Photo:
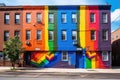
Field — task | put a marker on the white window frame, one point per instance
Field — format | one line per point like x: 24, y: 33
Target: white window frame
x: 104, y: 17
x: 64, y: 32
x: 6, y: 17
x: 17, y: 17
x: 94, y: 35
x: 38, y: 34
x: 105, y: 34
x: 105, y: 56
x: 39, y: 17
x: 6, y: 35
x: 74, y: 17
x: 74, y: 34
x: 63, y: 17
x: 92, y: 17
x: 51, y: 17
x: 64, y: 56
x: 51, y: 33
x: 28, y: 17
x: 29, y: 34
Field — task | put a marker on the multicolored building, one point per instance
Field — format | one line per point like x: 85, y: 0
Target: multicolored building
x: 76, y: 36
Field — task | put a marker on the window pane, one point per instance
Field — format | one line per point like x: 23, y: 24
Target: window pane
x: 92, y: 17
x: 64, y: 56
x: 64, y: 35
x: 64, y: 18
x: 17, y: 33
x: 17, y: 18
x: 105, y: 56
x: 74, y: 35
x: 28, y: 35
x: 104, y: 18
x: 6, y: 18
x: 6, y: 35
x: 74, y: 17
x: 51, y: 18
x: 38, y: 34
x: 28, y: 17
x: 39, y: 17
x: 93, y: 35
x: 105, y: 34
x: 51, y: 35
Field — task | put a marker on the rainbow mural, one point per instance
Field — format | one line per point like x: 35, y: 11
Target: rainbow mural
x: 87, y: 53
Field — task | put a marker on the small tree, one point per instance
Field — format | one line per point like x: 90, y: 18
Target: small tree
x: 13, y: 49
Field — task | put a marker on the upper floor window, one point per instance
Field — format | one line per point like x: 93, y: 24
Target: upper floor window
x: 74, y: 17
x: 64, y: 35
x: 6, y: 18
x: 6, y: 35
x: 105, y: 34
x: 74, y: 35
x: 17, y: 18
x: 27, y: 34
x: 104, y: 18
x: 64, y: 56
x: 93, y: 35
x: 39, y: 17
x: 51, y: 35
x: 28, y: 17
x: 117, y: 35
x: 17, y: 33
x: 51, y: 18
x: 38, y: 34
x: 92, y: 17
x: 64, y: 18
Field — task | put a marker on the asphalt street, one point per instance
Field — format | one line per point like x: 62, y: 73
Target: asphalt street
x: 11, y: 75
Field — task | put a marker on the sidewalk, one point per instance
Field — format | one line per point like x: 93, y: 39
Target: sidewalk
x: 60, y: 70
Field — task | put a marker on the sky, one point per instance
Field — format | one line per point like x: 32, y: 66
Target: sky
x: 115, y: 9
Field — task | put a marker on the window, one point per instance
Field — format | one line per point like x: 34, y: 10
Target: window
x: 1, y: 56
x: 105, y: 34
x: 38, y: 34
x: 17, y: 18
x: 28, y: 17
x: 51, y: 35
x: 6, y: 35
x: 117, y: 35
x: 64, y: 35
x: 27, y: 34
x: 64, y: 18
x: 6, y: 18
x: 74, y: 17
x: 104, y: 18
x: 64, y: 56
x: 39, y: 17
x: 104, y: 56
x: 92, y: 17
x: 93, y: 35
x: 17, y: 33
x: 51, y: 18
x: 74, y: 35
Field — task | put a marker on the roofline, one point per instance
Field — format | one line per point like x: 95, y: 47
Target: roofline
x: 50, y: 5
x: 116, y: 30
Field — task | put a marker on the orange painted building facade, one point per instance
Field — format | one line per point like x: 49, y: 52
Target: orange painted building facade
x: 33, y: 44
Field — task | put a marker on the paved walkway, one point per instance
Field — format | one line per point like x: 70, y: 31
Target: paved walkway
x: 61, y: 70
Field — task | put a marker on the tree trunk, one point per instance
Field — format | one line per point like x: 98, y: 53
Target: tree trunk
x: 13, y: 65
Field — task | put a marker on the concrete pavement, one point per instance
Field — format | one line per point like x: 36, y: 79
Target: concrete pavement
x: 60, y: 70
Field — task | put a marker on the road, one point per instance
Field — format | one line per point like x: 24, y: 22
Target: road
x: 57, y: 76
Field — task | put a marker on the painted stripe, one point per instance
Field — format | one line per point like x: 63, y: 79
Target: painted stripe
x: 82, y: 25
x: 46, y: 28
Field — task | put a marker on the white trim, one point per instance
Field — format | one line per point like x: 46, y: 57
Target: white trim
x: 105, y: 56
